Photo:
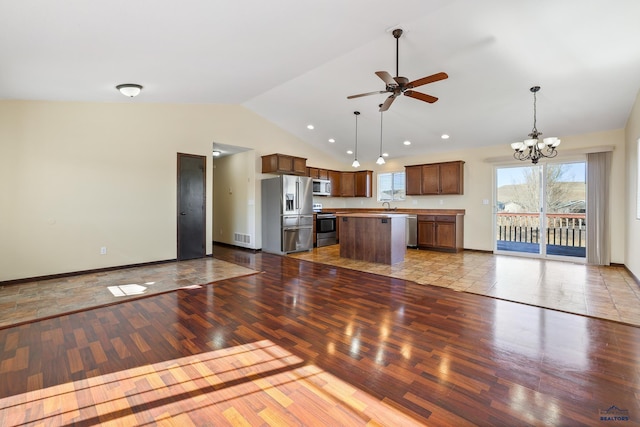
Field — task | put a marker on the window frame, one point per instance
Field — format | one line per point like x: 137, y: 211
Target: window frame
x: 393, y: 178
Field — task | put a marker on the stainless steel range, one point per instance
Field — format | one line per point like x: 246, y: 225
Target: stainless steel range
x: 326, y: 229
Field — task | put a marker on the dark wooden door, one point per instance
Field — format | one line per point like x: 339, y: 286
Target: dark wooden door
x: 191, y: 206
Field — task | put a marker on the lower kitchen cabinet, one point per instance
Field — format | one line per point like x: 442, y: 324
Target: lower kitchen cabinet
x: 441, y: 232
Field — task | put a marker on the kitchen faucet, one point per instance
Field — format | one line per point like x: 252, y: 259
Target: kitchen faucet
x: 388, y: 205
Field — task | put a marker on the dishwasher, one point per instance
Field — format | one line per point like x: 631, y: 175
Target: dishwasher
x: 412, y: 231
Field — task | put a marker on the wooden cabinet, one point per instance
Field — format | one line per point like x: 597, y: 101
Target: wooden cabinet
x: 334, y: 178
x: 435, y: 178
x: 363, y: 183
x: 283, y: 163
x: 413, y: 180
x: 347, y: 184
x: 356, y: 184
x: 441, y: 232
x: 317, y: 173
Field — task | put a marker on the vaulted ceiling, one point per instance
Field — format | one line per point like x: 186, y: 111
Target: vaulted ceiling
x: 295, y: 62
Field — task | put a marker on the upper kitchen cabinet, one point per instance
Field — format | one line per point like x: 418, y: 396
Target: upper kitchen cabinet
x: 285, y: 164
x: 334, y: 178
x: 363, y: 183
x: 435, y: 178
x: 317, y: 173
x: 347, y: 184
x: 356, y: 184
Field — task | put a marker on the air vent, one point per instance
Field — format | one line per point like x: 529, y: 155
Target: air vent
x: 244, y: 239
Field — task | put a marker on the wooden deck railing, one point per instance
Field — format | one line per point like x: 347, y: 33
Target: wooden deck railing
x: 566, y: 229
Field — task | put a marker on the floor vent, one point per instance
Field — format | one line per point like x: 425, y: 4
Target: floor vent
x: 242, y: 238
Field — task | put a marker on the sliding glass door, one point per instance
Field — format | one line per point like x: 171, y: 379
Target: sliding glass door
x: 540, y: 209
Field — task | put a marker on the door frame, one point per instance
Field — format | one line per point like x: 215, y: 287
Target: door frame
x: 542, y: 254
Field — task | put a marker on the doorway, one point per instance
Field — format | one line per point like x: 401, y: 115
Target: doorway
x: 191, y: 206
x: 541, y: 210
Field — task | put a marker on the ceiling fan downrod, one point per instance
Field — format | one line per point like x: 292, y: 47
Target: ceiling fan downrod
x: 397, y: 33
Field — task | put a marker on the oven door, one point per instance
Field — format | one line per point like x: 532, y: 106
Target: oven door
x: 325, y: 225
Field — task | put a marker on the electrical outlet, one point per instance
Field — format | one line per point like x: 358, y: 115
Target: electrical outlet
x: 103, y: 250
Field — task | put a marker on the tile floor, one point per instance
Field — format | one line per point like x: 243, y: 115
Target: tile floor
x: 603, y: 292
x: 596, y: 291
x: 40, y: 299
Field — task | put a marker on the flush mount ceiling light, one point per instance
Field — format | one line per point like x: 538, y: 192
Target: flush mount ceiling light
x: 310, y: 127
x: 380, y: 160
x: 216, y: 153
x: 356, y: 163
x: 535, y: 147
x: 129, y: 89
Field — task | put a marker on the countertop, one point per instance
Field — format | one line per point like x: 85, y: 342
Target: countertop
x: 372, y: 214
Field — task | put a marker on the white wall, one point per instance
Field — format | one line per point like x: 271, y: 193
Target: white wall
x: 632, y: 224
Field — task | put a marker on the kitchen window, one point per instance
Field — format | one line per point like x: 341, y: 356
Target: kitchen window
x: 391, y: 186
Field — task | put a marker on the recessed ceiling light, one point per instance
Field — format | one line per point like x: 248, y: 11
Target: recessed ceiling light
x: 385, y: 154
x: 310, y: 127
x: 444, y: 136
x: 216, y: 153
x: 407, y: 143
x: 331, y: 140
x: 349, y: 152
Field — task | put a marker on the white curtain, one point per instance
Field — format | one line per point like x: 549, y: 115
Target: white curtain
x: 598, y: 234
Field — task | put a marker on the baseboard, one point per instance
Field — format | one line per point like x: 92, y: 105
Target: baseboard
x: 78, y: 273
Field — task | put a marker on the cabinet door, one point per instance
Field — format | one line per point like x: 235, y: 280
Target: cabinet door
x: 312, y: 172
x: 299, y: 166
x: 430, y: 179
x: 363, y: 183
x: 413, y: 180
x: 446, y: 235
x: 347, y: 184
x: 451, y: 178
x: 334, y: 177
x: 285, y: 163
x: 426, y: 234
x: 323, y: 174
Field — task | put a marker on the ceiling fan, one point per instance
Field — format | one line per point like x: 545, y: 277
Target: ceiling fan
x: 401, y: 85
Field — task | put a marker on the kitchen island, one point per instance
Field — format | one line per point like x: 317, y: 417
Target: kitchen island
x: 374, y: 237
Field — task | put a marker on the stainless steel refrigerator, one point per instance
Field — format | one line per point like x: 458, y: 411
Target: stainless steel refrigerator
x: 287, y: 214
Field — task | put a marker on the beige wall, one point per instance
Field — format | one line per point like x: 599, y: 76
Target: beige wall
x: 479, y: 185
x: 78, y: 176
x: 632, y: 224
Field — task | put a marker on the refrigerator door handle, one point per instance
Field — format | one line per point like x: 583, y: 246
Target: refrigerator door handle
x: 297, y: 194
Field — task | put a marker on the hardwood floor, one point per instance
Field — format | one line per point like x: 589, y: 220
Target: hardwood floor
x: 607, y: 292
x: 305, y: 343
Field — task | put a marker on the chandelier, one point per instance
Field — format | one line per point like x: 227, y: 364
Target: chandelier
x: 535, y: 147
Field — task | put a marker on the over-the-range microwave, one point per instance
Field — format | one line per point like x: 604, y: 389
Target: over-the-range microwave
x: 321, y: 187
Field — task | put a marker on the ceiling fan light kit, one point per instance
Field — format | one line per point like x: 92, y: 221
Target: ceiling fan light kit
x: 535, y: 147
x: 398, y: 85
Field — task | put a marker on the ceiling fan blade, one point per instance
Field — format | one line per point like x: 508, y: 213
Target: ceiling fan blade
x: 387, y: 103
x: 377, y: 92
x: 421, y: 96
x: 429, y: 79
x: 386, y: 77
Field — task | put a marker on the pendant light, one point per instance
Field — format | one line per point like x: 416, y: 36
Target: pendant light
x: 356, y: 163
x: 380, y: 160
x: 535, y: 147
